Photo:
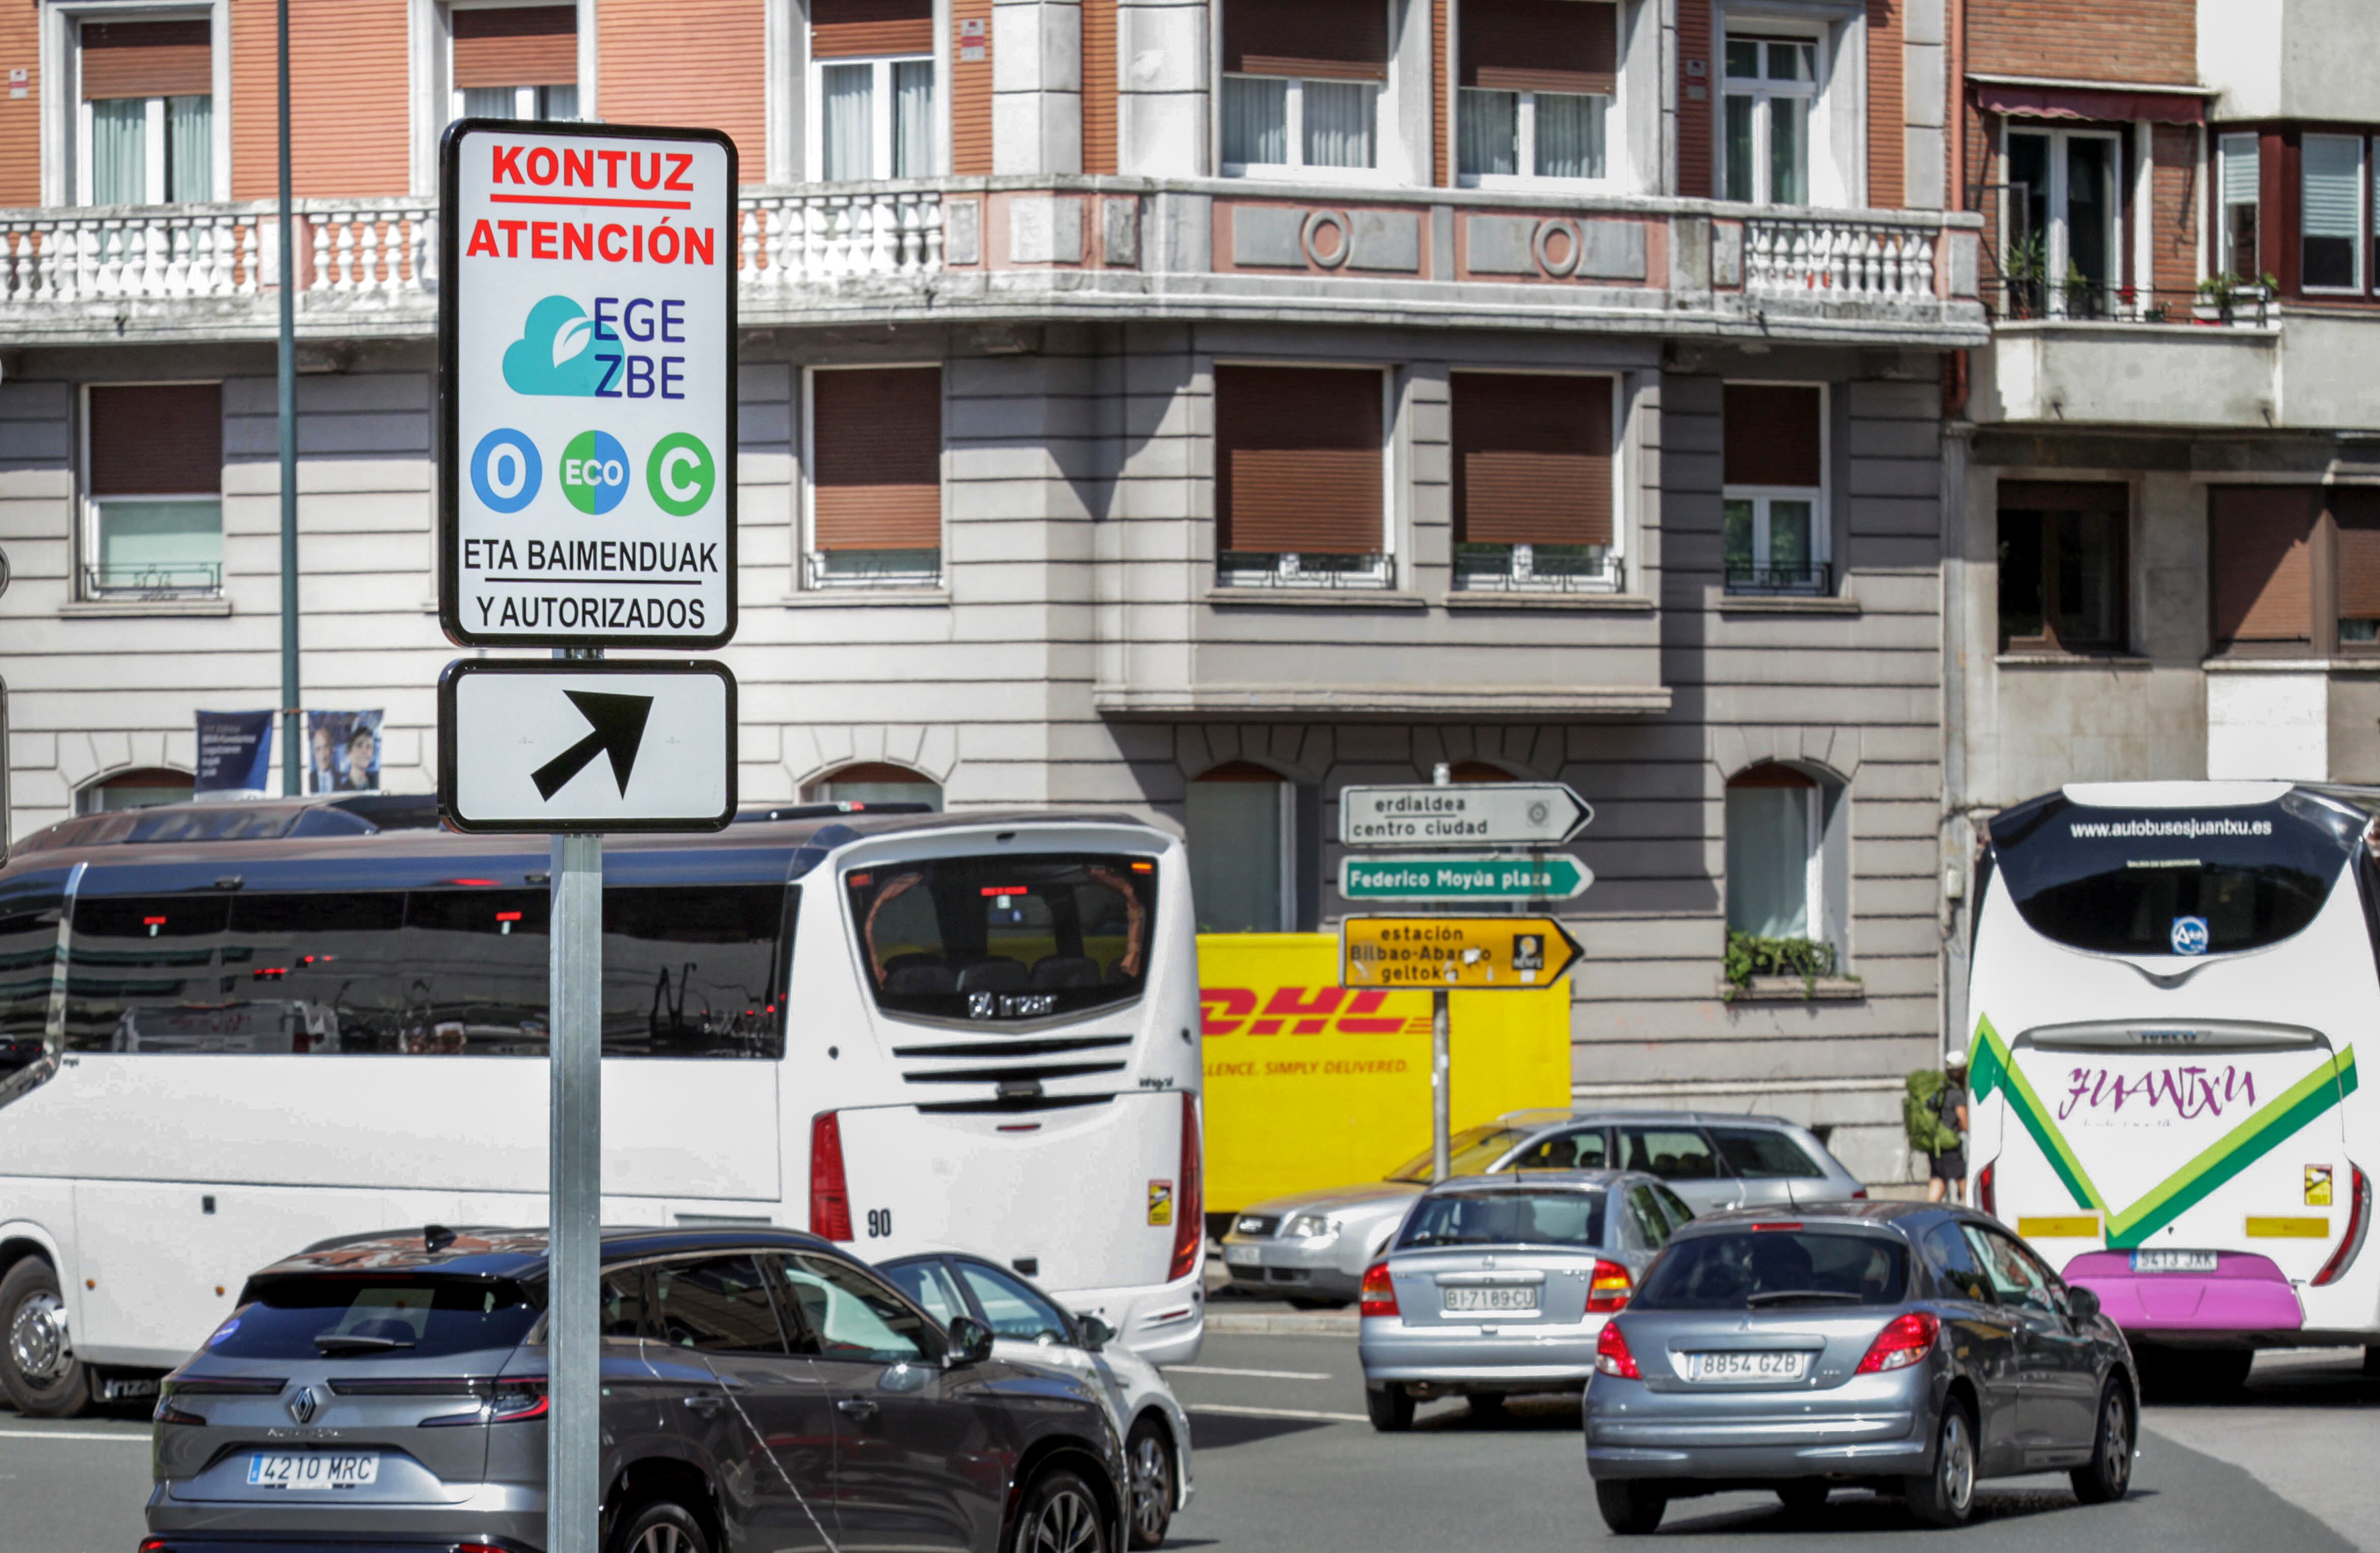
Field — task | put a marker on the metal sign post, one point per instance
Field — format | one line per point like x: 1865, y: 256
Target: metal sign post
x: 586, y: 449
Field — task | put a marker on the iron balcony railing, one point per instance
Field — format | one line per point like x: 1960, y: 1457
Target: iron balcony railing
x: 1803, y: 579
x: 172, y: 579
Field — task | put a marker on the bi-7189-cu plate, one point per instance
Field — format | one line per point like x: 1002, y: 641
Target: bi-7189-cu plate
x: 1474, y: 1297
x: 312, y: 1469
x: 1755, y: 1365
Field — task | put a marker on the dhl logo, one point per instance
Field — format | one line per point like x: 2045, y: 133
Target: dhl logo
x: 1300, y: 1011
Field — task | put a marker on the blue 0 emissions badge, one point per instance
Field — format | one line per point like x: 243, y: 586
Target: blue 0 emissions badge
x: 2190, y: 935
x: 505, y: 471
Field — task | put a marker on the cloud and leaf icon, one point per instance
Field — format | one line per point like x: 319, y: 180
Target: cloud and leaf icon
x: 558, y: 351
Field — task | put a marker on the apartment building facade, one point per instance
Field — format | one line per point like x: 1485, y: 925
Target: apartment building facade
x: 1185, y: 406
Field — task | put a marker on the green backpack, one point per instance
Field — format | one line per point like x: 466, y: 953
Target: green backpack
x: 1919, y: 1117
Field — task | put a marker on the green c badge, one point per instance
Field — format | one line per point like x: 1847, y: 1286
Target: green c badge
x: 680, y: 473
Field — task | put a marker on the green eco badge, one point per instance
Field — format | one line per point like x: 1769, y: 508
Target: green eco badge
x: 680, y: 473
x: 594, y: 471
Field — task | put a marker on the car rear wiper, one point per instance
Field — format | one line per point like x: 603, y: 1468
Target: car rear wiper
x: 1794, y: 1296
x: 332, y: 1342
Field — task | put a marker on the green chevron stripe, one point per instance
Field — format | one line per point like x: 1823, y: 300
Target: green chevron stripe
x: 2257, y: 1134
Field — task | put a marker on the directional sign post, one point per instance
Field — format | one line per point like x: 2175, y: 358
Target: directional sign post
x: 1466, y: 813
x: 587, y: 452
x: 1555, y: 878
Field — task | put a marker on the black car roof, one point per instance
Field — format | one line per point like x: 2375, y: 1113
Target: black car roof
x: 1910, y: 1219
x: 484, y: 1251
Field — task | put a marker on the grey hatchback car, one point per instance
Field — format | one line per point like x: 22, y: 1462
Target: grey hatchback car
x: 761, y: 1390
x: 1906, y: 1347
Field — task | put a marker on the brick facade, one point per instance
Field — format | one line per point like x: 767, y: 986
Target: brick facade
x: 2138, y: 40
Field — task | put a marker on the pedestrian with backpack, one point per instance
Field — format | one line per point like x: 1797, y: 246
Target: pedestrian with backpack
x: 1933, y: 1115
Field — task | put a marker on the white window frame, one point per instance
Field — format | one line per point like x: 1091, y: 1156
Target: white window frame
x: 2058, y: 245
x: 1288, y: 572
x: 811, y: 564
x: 66, y: 130
x: 1520, y: 579
x: 1820, y: 496
x: 1816, y: 924
x: 2364, y: 216
x: 880, y: 119
x: 1525, y: 146
x: 2227, y: 154
x: 88, y: 505
x: 1761, y: 91
x: 1297, y: 167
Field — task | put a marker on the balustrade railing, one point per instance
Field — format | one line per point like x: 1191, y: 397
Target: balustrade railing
x: 1836, y: 261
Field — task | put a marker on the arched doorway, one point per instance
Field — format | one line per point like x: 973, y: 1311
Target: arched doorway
x: 877, y: 781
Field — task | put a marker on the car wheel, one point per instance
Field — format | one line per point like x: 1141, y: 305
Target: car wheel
x: 38, y: 1367
x: 1391, y: 1408
x: 2108, y: 1475
x: 1629, y: 1507
x: 1944, y: 1496
x: 1150, y: 1457
x: 660, y: 1526
x: 1061, y: 1514
x: 1803, y: 1495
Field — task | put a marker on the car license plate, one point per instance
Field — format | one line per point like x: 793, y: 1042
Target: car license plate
x: 1524, y: 1297
x: 1769, y: 1364
x: 304, y: 1470
x: 2173, y: 1261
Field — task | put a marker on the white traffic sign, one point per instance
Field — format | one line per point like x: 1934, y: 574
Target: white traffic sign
x: 586, y: 404
x: 1477, y: 813
x: 586, y: 746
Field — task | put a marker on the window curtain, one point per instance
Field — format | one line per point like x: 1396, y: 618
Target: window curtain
x: 560, y: 101
x: 849, y: 105
x: 1236, y: 854
x: 1256, y: 120
x: 119, y: 161
x: 189, y: 147
x: 492, y: 102
x: 160, y: 544
x: 913, y: 118
x: 1769, y: 849
x: 1788, y: 150
x: 1339, y: 123
x: 1569, y: 135
x: 1488, y: 132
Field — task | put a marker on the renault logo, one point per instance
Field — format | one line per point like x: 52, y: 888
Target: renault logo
x: 305, y: 1403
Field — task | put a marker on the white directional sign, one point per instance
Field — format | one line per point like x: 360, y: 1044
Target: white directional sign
x: 1475, y: 813
x: 563, y: 745
x: 587, y: 405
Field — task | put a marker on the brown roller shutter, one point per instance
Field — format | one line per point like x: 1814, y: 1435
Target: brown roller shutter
x: 1772, y: 434
x: 1531, y: 459
x: 854, y: 29
x: 2356, y: 512
x: 1698, y: 75
x: 1297, y: 459
x: 1540, y: 45
x: 20, y: 123
x: 1099, y: 87
x: 1345, y: 40
x: 1887, y: 145
x: 519, y: 45
x: 2262, y: 539
x: 1441, y: 129
x: 161, y: 439
x: 971, y: 88
x: 876, y: 458
x: 350, y: 106
x: 147, y: 59
x: 668, y: 62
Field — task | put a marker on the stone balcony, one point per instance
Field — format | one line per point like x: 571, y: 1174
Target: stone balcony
x: 1088, y: 249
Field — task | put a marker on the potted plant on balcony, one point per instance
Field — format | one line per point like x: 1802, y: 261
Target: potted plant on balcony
x: 2221, y: 296
x: 1764, y: 967
x: 2024, y: 268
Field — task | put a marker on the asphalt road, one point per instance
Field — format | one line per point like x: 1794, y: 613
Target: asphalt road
x: 1285, y: 1461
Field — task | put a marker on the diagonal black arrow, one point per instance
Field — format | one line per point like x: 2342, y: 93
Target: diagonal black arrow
x: 619, y: 723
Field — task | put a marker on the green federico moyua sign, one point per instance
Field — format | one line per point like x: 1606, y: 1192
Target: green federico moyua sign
x: 1553, y: 878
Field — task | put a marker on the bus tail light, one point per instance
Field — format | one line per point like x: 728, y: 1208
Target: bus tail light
x: 1904, y: 1341
x: 1986, y: 1196
x: 2358, y: 1224
x: 1609, y: 1288
x: 830, y: 1194
x: 1611, y: 1355
x: 1379, y: 1291
x: 1189, y: 1198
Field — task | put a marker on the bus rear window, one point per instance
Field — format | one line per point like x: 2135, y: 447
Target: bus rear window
x: 1005, y: 938
x: 2171, y: 881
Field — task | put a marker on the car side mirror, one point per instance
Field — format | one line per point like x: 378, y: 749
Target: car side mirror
x: 1095, y: 1333
x: 970, y: 1341
x: 2081, y: 1304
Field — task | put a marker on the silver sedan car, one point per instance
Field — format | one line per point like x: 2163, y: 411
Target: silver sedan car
x: 1909, y: 1348
x: 1501, y: 1285
x: 1312, y: 1247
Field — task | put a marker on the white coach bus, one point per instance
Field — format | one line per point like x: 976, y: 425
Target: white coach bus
x: 2168, y: 983
x: 236, y: 1030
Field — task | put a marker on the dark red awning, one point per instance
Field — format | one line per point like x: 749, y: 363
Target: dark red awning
x: 2059, y: 102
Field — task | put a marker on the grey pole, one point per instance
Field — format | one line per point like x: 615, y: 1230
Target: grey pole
x: 1439, y: 1025
x: 574, y: 1382
x: 293, y: 732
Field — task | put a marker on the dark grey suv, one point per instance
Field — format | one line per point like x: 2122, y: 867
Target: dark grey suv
x: 761, y: 1390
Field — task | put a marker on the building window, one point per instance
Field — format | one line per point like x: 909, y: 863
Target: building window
x: 2260, y: 565
x: 152, y: 486
x: 2240, y: 187
x: 875, y: 477
x: 1302, y: 83
x: 1775, y: 855
x: 148, y: 112
x: 1534, y: 482
x: 134, y: 790
x: 1537, y: 79
x: 1774, y: 537
x: 871, y: 782
x: 872, y: 89
x: 1772, y: 83
x: 2066, y: 221
x: 1300, y: 477
x: 2355, y: 514
x: 516, y: 62
x: 1240, y: 821
x: 2062, y: 567
x: 2330, y: 212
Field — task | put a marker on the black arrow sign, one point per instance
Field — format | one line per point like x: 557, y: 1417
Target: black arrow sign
x: 619, y: 725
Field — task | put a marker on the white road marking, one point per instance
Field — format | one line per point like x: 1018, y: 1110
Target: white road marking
x: 67, y: 1434
x: 1261, y: 1375
x: 1276, y: 1412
